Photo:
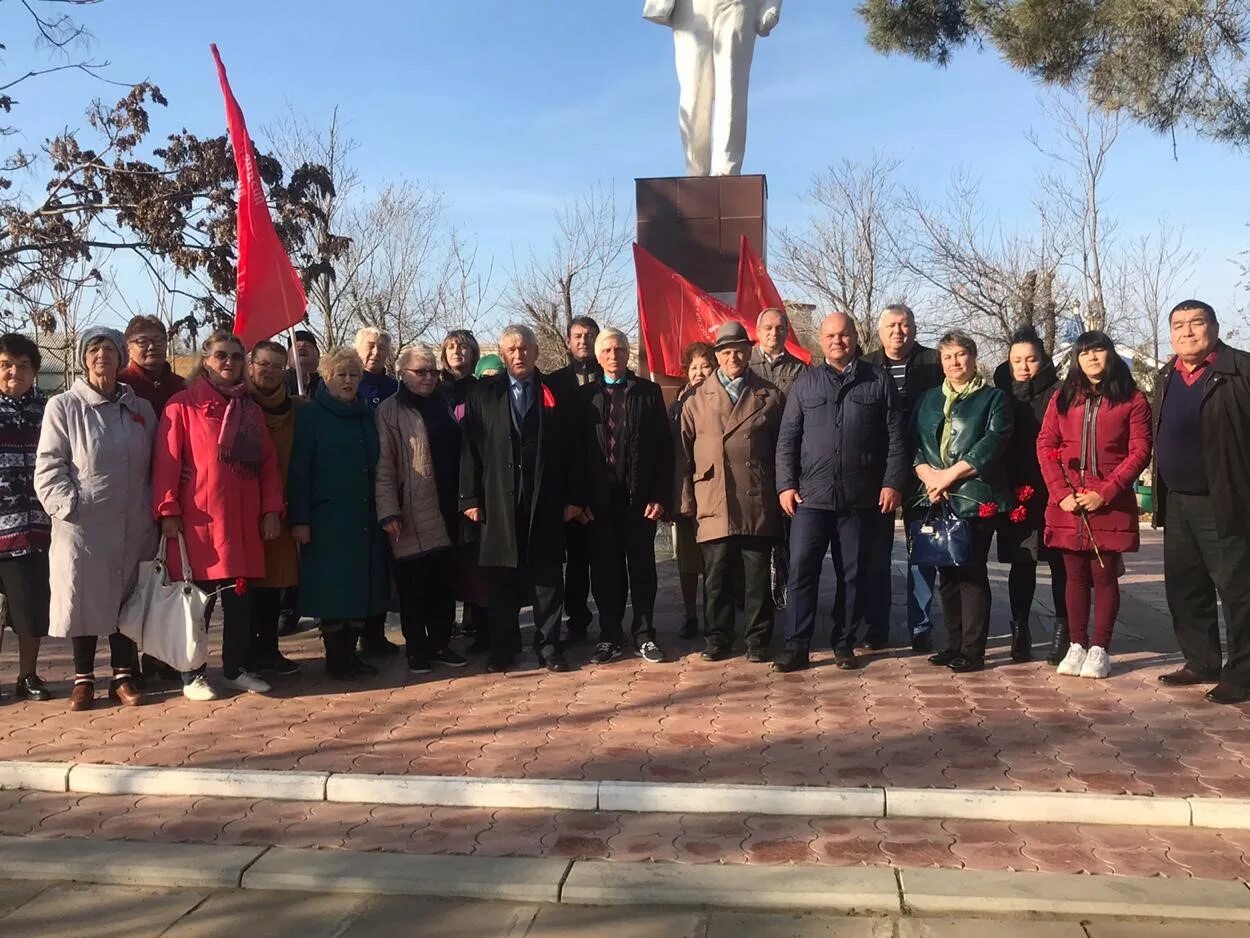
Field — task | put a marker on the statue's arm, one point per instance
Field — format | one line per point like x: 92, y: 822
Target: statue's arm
x: 658, y: 11
x: 769, y: 16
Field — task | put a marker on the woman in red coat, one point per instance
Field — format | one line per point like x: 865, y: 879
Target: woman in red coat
x: 1094, y: 443
x: 215, y: 480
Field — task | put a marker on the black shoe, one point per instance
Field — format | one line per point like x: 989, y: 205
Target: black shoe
x: 278, y: 664
x: 575, y: 633
x: 377, y: 648
x: 418, y: 665
x: 689, y: 628
x: 716, y: 653
x: 338, y: 647
x: 1059, y: 642
x: 450, y: 658
x: 792, y: 659
x: 758, y: 655
x: 650, y: 651
x: 1021, y: 642
x: 32, y: 687
x: 1223, y: 693
x: 153, y: 669
x: 361, y: 667
x: 961, y: 665
x: 557, y: 663
x: 921, y: 644
x: 605, y: 652
x: 943, y: 657
x: 479, y: 646
x: 1185, y: 677
x: 874, y: 645
x: 499, y: 665
x: 845, y: 660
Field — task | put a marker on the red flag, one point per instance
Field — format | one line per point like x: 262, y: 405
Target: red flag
x: 756, y: 293
x: 269, y: 296
x: 673, y: 312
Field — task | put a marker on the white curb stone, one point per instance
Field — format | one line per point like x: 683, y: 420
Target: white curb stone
x: 853, y: 889
x: 741, y: 799
x: 121, y: 862
x: 944, y: 892
x: 219, y: 783
x: 507, y: 878
x: 1230, y: 813
x: 1070, y: 807
x: 35, y: 776
x: 451, y: 791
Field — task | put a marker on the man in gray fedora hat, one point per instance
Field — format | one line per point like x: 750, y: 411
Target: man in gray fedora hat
x: 727, y: 462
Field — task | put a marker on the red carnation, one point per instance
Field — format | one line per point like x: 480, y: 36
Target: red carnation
x: 1018, y: 514
x: 240, y: 586
x: 1024, y: 493
x: 987, y: 510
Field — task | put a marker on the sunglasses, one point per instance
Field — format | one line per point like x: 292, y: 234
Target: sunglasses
x: 235, y: 357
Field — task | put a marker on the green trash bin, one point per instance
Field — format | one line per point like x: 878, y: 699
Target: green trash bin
x: 1145, y: 497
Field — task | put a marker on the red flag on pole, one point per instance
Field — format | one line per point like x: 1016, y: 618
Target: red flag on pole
x: 673, y: 312
x: 756, y: 293
x: 269, y: 296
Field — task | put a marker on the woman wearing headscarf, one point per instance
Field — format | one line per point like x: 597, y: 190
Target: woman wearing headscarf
x: 215, y: 479
x: 91, y: 476
x: 1029, y: 380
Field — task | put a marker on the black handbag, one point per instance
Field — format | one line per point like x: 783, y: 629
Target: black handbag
x: 941, y: 538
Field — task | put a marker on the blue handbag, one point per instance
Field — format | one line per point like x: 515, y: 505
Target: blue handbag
x: 940, y: 539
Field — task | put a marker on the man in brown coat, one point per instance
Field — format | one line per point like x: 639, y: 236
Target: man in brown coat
x: 728, y: 447
x: 266, y: 369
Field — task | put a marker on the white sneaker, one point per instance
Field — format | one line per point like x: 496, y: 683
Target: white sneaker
x: 249, y: 682
x: 199, y: 689
x: 1097, y: 663
x: 1073, y: 661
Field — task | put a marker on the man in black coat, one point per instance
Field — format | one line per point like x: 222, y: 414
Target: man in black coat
x: 915, y: 370
x: 521, y: 479
x: 1202, y: 500
x: 582, y: 370
x: 630, y: 477
x: 841, y: 466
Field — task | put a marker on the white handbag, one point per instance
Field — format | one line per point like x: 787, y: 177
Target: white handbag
x: 658, y: 11
x: 166, y: 619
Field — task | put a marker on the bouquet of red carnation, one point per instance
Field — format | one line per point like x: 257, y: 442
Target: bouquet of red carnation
x: 1056, y: 456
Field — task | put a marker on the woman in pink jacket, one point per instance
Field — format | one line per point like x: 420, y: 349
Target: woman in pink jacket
x: 215, y: 479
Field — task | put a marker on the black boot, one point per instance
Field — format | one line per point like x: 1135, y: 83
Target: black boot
x: 339, y: 649
x: 357, y: 665
x: 1021, y: 641
x: 1058, y: 642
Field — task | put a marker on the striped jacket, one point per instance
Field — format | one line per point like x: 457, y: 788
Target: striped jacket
x: 24, y: 526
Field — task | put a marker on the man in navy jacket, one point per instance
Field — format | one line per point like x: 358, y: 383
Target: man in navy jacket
x: 841, y: 461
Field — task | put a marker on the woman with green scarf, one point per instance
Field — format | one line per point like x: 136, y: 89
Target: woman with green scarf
x: 960, y: 433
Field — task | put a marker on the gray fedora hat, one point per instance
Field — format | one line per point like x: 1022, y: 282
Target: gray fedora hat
x: 730, y: 334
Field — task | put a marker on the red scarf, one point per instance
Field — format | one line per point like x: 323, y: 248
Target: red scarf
x: 240, y: 442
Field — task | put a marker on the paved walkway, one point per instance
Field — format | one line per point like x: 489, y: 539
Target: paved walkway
x: 898, y: 721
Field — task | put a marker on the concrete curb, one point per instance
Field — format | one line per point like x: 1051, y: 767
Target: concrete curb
x: 577, y: 795
x: 863, y: 890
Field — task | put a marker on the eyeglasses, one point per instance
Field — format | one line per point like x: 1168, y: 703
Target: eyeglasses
x: 233, y: 357
x: 423, y: 372
x: 269, y: 366
x: 149, y: 341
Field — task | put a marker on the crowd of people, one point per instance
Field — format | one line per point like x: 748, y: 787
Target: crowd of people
x: 308, y: 485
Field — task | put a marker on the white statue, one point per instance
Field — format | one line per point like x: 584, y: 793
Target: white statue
x: 714, y: 41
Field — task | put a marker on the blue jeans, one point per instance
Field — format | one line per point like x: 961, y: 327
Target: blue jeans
x: 921, y: 584
x: 844, y: 534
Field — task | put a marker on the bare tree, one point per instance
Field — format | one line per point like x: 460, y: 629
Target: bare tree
x: 584, y: 273
x: 1156, y: 264
x: 843, y: 257
x: 1083, y: 139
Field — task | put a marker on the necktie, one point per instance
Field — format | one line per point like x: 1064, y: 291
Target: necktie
x: 611, y: 401
x: 523, y: 398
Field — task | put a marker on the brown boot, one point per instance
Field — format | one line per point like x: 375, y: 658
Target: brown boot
x: 122, y: 689
x: 82, y: 697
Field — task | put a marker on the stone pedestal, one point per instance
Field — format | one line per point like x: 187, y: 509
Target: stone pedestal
x: 694, y: 224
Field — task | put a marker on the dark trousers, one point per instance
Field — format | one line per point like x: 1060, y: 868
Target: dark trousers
x: 876, y: 576
x: 266, y: 610
x: 728, y: 563
x: 122, y: 653
x: 623, y: 550
x: 1022, y: 586
x: 236, y: 626
x: 577, y: 572
x: 510, y: 588
x: 427, y: 601
x: 965, y: 595
x: 1198, y: 567
x: 1088, y: 578
x: 844, y: 534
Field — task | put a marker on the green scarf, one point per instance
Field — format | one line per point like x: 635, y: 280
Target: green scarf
x: 950, y: 396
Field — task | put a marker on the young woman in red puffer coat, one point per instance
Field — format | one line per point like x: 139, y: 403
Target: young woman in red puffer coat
x: 1095, y: 442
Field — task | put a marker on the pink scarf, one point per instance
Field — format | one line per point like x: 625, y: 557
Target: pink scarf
x: 240, y: 443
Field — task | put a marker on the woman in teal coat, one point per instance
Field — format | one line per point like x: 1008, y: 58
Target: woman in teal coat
x: 343, y: 565
x: 960, y: 433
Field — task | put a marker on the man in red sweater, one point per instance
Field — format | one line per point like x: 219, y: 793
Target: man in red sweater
x: 148, y: 371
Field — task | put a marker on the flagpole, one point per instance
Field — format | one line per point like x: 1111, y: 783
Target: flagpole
x: 299, y: 375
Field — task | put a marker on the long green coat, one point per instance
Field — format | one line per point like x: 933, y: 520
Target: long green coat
x: 342, y: 571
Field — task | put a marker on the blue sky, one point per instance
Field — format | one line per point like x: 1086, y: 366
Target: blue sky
x: 511, y: 108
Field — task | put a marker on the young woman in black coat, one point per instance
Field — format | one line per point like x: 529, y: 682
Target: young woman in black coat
x: 1029, y: 379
